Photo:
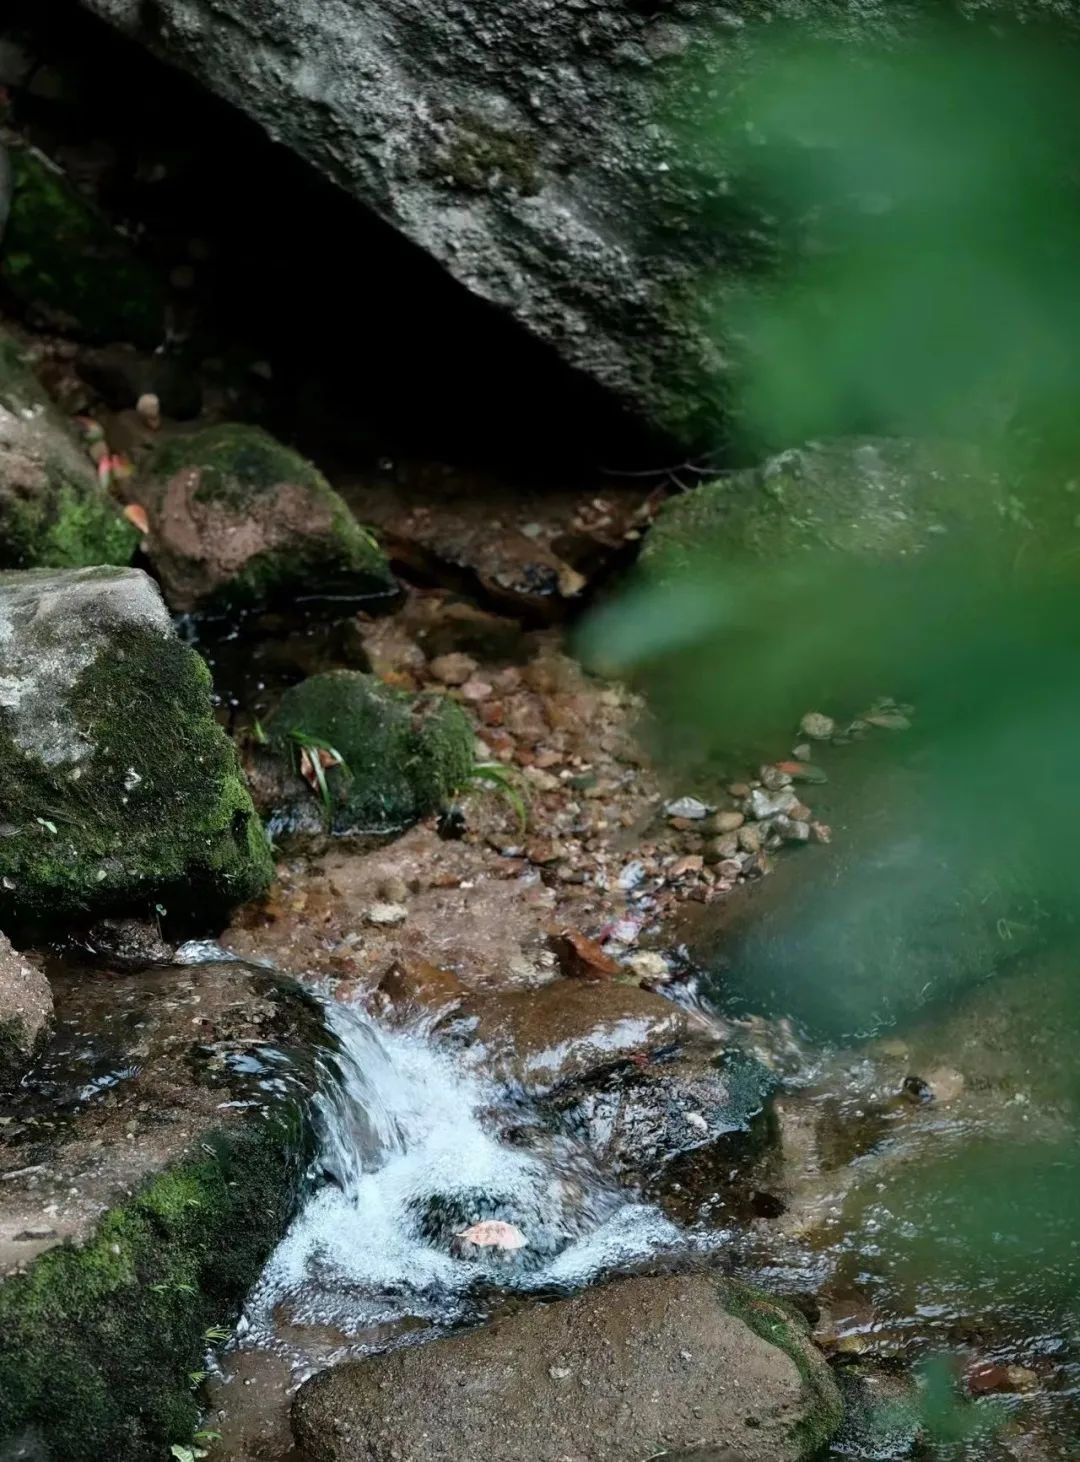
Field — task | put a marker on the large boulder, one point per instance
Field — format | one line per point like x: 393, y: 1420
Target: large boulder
x: 540, y: 152
x: 117, y: 787
x: 640, y: 1368
x: 148, y: 1166
x: 25, y: 1011
x: 235, y: 516
x: 53, y: 513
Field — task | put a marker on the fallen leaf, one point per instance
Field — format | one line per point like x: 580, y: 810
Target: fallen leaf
x: 493, y: 1233
x: 135, y: 513
x: 326, y: 758
x: 582, y: 958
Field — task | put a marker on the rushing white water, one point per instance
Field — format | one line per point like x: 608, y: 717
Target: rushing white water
x: 414, y: 1148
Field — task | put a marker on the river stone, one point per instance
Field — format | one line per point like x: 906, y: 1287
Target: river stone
x: 390, y: 758
x: 235, y: 516
x: 64, y: 262
x: 549, y: 156
x: 117, y: 785
x: 874, y: 497
x: 639, y: 1368
x: 25, y: 1011
x: 53, y: 513
x: 566, y: 1031
x: 148, y: 1164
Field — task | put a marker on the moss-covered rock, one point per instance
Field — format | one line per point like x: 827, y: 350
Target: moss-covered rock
x: 52, y: 511
x: 237, y: 517
x: 116, y: 784
x: 64, y: 262
x: 401, y: 756
x: 138, y: 1212
x: 874, y: 497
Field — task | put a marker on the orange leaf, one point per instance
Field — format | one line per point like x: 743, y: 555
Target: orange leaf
x: 584, y: 959
x: 136, y: 514
x: 493, y: 1233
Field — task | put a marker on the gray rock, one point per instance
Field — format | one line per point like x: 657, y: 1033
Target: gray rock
x: 639, y: 1368
x: 540, y: 152
x: 25, y: 1011
x: 762, y: 804
x: 117, y: 784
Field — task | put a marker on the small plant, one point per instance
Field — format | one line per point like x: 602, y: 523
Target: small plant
x: 493, y: 776
x: 216, y: 1334
x: 312, y: 759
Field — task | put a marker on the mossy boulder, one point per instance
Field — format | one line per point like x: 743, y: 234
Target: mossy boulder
x: 678, y: 1364
x: 137, y: 1211
x: 401, y: 756
x: 67, y: 266
x: 52, y: 511
x: 874, y: 497
x: 235, y: 517
x: 117, y: 786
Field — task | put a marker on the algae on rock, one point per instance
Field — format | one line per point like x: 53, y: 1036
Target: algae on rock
x: 53, y: 513
x: 237, y: 517
x: 402, y: 756
x: 117, y: 785
x: 65, y: 263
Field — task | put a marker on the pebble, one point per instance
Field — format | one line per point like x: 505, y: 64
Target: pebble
x: 802, y: 752
x: 631, y: 875
x: 888, y: 721
x: 728, y: 822
x: 792, y: 829
x: 773, y: 779
x: 738, y: 789
x: 387, y: 914
x: 475, y: 689
x: 453, y: 669
x: 688, y: 807
x: 691, y: 863
x: 750, y: 838
x: 724, y: 847
x: 820, y: 832
x: 762, y: 804
x: 817, y: 726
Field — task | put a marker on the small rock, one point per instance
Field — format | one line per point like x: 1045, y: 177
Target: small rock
x: 453, y: 669
x: 792, y: 829
x: 817, y: 726
x: 750, y: 839
x: 728, y: 822
x: 762, y: 804
x: 691, y: 863
x: 631, y: 876
x: 738, y: 789
x: 774, y: 779
x: 888, y: 721
x: 725, y: 847
x: 475, y: 689
x: 688, y: 807
x: 802, y: 752
x: 149, y: 408
x: 820, y: 832
x: 945, y: 1084
x: 387, y: 915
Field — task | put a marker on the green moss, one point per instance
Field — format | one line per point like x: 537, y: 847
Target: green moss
x: 788, y: 1331
x: 240, y: 465
x: 97, y: 1343
x: 63, y: 259
x: 404, y: 756
x: 52, y: 512
x: 158, y: 810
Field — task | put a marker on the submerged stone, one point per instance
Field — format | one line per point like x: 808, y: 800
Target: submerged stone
x: 150, y: 1161
x: 117, y: 786
x: 25, y: 1011
x: 65, y: 263
x: 874, y: 497
x: 53, y: 513
x: 643, y: 1367
x: 388, y: 758
x: 235, y: 516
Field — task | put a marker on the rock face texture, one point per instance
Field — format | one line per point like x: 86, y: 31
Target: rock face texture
x: 549, y: 156
x: 689, y: 1363
x: 25, y: 1011
x: 117, y: 786
x: 148, y: 1167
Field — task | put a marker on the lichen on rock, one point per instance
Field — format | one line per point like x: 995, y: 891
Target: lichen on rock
x: 237, y: 517
x: 401, y: 756
x: 52, y: 511
x: 117, y: 786
x: 25, y: 1011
